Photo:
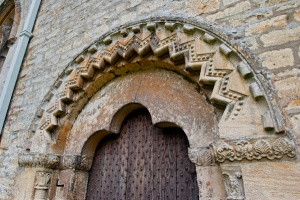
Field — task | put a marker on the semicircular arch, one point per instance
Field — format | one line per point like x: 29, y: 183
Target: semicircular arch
x: 193, y: 49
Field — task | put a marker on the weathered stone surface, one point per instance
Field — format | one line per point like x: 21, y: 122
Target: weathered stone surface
x: 208, y: 179
x: 295, y: 121
x: 246, y: 124
x: 293, y: 107
x: 289, y: 5
x: 264, y: 3
x: 285, y: 74
x: 154, y: 90
x: 297, y: 15
x: 278, y: 58
x: 204, y: 6
x: 65, y: 28
x: 238, y: 8
x: 274, y: 181
x: 252, y: 43
x: 266, y: 25
x: 288, y: 89
x: 279, y: 37
x: 228, y: 2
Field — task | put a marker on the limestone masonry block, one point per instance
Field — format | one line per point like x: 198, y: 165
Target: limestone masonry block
x: 295, y: 122
x: 238, y: 8
x: 288, y: 89
x: 266, y: 25
x: 204, y: 6
x: 228, y: 2
x: 293, y: 107
x: 279, y: 180
x: 278, y: 58
x: 297, y: 15
x: 279, y: 37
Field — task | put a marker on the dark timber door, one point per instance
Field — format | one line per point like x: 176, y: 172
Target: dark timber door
x: 143, y: 162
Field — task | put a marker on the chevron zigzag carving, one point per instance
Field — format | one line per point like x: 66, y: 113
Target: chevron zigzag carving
x: 192, y: 52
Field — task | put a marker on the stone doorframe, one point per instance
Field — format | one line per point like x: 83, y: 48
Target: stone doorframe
x: 244, y: 122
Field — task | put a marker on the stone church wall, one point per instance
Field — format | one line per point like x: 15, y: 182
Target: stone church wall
x: 269, y: 28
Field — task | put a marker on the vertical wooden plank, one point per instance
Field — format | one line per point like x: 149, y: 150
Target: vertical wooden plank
x: 169, y: 165
x: 123, y: 145
x: 186, y: 176
x: 139, y: 162
x: 144, y: 162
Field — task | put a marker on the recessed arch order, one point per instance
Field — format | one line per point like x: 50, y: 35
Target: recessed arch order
x: 224, y: 70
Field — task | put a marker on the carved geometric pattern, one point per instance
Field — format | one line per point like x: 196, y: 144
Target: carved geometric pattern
x: 181, y: 47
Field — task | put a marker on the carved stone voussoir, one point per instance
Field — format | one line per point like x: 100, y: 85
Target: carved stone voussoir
x: 201, y: 156
x: 253, y: 149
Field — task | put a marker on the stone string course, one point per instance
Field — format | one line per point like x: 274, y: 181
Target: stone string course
x: 270, y: 28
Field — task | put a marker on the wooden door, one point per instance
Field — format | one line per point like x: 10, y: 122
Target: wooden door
x: 143, y: 162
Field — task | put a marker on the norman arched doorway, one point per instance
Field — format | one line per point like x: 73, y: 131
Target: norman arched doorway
x: 143, y: 162
x: 178, y: 71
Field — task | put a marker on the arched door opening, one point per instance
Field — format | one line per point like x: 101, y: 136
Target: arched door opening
x: 143, y: 162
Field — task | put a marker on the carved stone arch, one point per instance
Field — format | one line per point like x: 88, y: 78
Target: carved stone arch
x: 216, y: 70
x: 152, y: 89
x: 192, y: 49
x: 89, y: 146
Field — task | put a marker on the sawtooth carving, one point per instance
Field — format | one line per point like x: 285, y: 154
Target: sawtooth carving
x: 184, y: 48
x: 255, y: 149
x: 211, y: 64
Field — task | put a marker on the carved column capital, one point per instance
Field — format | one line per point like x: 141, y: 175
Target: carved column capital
x: 52, y: 161
x: 41, y: 185
x: 39, y: 160
x: 201, y: 156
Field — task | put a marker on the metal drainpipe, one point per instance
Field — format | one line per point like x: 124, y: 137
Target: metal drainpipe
x: 16, y: 63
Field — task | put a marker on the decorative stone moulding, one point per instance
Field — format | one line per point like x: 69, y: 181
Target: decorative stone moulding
x: 254, y: 149
x: 52, y: 161
x: 185, y: 48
